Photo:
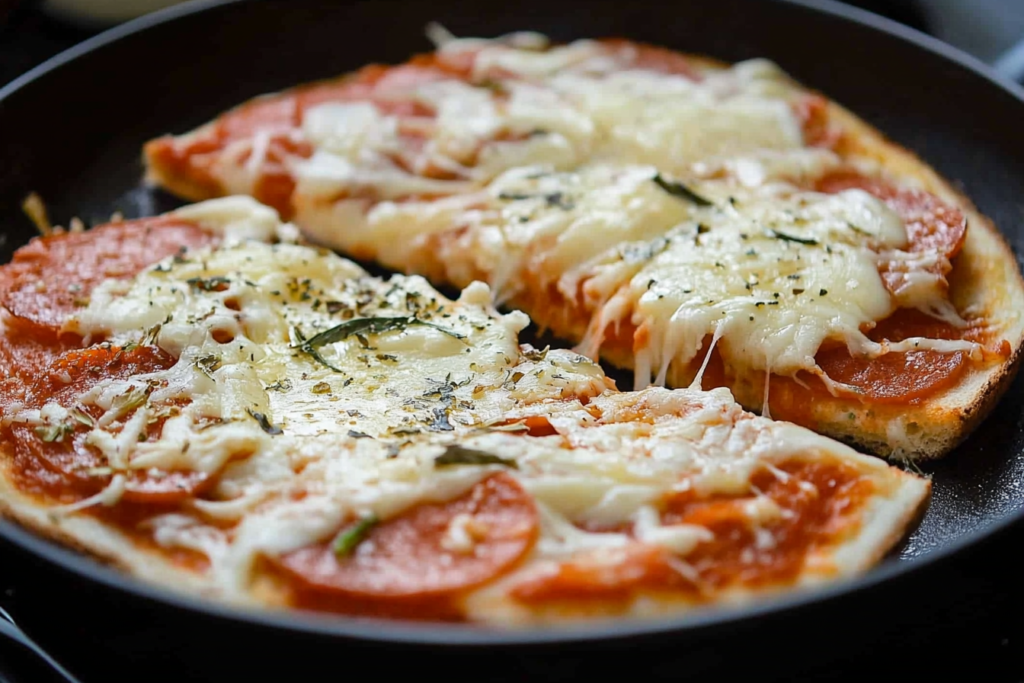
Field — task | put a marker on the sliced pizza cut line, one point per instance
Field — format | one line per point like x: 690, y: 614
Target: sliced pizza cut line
x: 261, y: 422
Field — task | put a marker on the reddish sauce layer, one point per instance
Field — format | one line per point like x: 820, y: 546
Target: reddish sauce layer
x: 816, y: 518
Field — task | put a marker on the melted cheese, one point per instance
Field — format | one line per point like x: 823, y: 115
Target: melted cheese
x: 561, y: 108
x: 537, y: 172
x: 771, y: 270
x: 300, y: 446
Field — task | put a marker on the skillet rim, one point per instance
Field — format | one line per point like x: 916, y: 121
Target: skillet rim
x: 430, y: 634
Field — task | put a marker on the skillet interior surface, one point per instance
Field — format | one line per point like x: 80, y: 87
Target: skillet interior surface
x: 72, y: 131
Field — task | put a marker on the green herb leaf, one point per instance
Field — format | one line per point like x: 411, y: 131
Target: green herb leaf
x: 213, y: 284
x: 264, y: 423
x: 514, y: 196
x: 126, y: 403
x: 82, y: 417
x: 151, y: 335
x: 500, y: 426
x: 460, y: 455
x: 282, y: 385
x: 351, y: 536
x: 792, y: 238
x: 311, y: 351
x: 858, y: 230
x: 51, y: 433
x: 535, y: 355
x: 361, y: 326
x: 208, y: 364
x: 371, y: 326
x: 441, y: 423
x: 677, y: 189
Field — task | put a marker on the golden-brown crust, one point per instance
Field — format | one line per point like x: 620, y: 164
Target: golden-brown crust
x: 95, y: 539
x: 160, y: 175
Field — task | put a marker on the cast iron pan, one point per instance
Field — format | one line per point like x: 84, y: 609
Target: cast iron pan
x: 72, y: 130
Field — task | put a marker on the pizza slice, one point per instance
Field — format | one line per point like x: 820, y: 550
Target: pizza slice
x: 216, y: 408
x: 698, y: 223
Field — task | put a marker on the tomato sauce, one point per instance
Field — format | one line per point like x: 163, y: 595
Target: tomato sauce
x: 278, y: 117
x: 821, y: 503
x: 653, y: 58
x: 132, y: 518
x: 193, y: 161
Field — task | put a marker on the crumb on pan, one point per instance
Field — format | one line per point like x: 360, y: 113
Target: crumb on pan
x: 35, y: 209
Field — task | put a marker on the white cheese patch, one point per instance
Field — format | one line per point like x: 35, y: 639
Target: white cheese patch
x: 562, y: 108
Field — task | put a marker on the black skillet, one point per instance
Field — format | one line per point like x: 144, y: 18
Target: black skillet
x: 71, y: 130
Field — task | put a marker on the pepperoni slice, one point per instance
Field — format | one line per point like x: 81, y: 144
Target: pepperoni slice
x: 51, y: 277
x: 931, y: 224
x: 408, y: 558
x: 903, y: 376
x: 373, y: 84
x: 23, y: 358
x: 276, y: 118
x: 55, y: 461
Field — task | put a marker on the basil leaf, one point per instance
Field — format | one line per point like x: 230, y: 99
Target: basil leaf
x: 370, y: 326
x: 208, y: 364
x: 793, y: 238
x: 460, y: 455
x: 264, y: 423
x: 51, y: 433
x: 360, y: 326
x: 677, y: 189
x: 350, y: 537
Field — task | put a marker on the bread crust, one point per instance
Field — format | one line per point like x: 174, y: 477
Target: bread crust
x: 102, y: 542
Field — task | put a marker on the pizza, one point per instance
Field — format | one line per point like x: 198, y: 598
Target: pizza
x: 701, y: 224
x: 213, y: 405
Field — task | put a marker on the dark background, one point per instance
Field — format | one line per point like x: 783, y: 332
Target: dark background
x: 961, y: 620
